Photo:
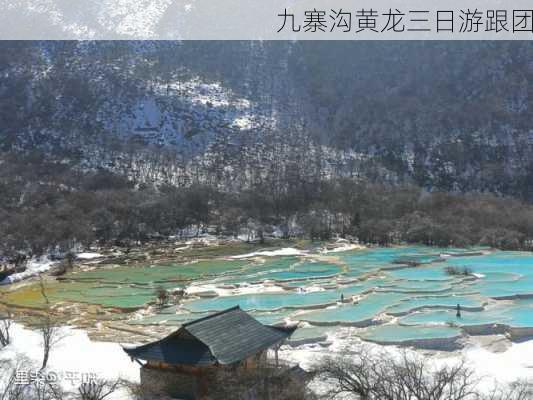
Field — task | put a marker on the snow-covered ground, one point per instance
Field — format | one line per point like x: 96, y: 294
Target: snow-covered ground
x: 73, y: 358
x: 242, y: 289
x: 76, y: 355
x: 88, y: 256
x: 287, y: 251
x: 39, y: 265
x: 34, y: 267
x: 343, y: 247
x: 492, y: 368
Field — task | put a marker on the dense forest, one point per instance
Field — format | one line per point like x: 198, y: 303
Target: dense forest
x: 45, y: 204
x: 382, y: 142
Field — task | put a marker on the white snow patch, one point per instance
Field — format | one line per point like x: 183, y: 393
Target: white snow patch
x: 75, y: 354
x: 505, y: 367
x: 492, y: 368
x: 241, y: 289
x: 311, y: 289
x: 243, y: 122
x: 88, y: 256
x: 34, y: 267
x: 343, y: 247
x: 287, y: 251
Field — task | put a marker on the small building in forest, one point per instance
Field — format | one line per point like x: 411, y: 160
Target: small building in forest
x: 185, y: 364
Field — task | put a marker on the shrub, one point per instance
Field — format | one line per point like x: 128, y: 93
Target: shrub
x: 454, y: 271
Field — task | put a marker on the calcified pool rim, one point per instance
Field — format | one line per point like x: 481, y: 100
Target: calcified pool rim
x: 386, y: 292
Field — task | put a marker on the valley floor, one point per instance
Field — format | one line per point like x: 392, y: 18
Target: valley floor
x: 341, y: 295
x: 76, y: 357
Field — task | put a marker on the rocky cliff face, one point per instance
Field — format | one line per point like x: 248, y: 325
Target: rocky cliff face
x: 445, y: 116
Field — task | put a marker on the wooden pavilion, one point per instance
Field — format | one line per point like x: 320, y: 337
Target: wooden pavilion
x: 184, y: 363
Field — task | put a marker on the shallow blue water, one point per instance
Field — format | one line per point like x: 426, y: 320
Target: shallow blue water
x: 273, y: 301
x: 448, y: 317
x: 282, y: 269
x: 396, y: 333
x: 366, y: 309
x: 423, y: 296
x: 414, y: 303
x: 518, y: 313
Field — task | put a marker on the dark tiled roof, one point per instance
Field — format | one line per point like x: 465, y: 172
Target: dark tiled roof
x: 174, y: 350
x: 225, y: 338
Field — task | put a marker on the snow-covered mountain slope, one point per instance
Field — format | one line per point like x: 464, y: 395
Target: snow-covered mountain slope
x: 230, y: 113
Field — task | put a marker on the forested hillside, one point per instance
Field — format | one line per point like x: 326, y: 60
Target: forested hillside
x: 123, y: 140
x: 448, y: 116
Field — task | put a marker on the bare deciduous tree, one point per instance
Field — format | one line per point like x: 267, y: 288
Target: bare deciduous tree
x: 98, y: 389
x: 18, y: 382
x: 163, y: 296
x: 146, y: 391
x: 48, y: 327
x: 5, y: 329
x: 9, y: 387
x: 519, y: 390
x: 381, y: 376
x: 50, y: 334
x: 45, y: 390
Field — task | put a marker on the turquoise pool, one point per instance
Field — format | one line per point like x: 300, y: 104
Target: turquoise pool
x: 389, y: 294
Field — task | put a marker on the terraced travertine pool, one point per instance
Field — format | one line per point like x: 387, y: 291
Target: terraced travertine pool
x: 391, y: 295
